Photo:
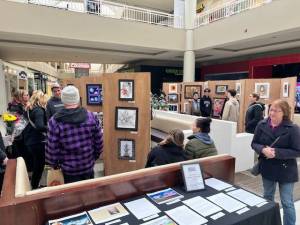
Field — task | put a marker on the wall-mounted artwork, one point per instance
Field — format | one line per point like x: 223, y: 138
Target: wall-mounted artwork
x: 126, y: 90
x: 173, y: 98
x: 126, y: 149
x: 126, y: 118
x: 94, y: 94
x: 238, y: 89
x: 186, y: 107
x: 221, y: 89
x: 172, y: 88
x: 285, y: 89
x: 218, y: 107
x: 189, y: 90
x: 173, y: 107
x: 263, y: 89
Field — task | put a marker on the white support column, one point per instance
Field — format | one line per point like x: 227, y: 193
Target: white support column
x: 3, y: 101
x: 189, y: 54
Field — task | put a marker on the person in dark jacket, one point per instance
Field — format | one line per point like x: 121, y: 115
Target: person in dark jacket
x: 206, y: 104
x: 195, y: 105
x: 75, y: 139
x: 16, y: 106
x: 34, y: 134
x: 254, y: 114
x: 200, y: 143
x: 54, y: 104
x: 3, y: 161
x: 170, y: 150
x: 276, y: 140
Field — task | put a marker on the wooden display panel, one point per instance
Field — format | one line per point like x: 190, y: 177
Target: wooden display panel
x: 186, y: 101
x: 112, y: 163
x: 167, y: 88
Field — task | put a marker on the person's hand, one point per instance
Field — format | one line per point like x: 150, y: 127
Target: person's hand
x: 5, y: 161
x: 269, y: 152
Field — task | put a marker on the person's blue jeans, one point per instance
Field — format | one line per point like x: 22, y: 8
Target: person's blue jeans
x: 286, y: 196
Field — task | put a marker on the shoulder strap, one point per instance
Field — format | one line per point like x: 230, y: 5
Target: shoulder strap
x: 32, y: 124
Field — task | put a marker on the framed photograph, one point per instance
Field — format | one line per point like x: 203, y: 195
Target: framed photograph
x: 192, y: 176
x: 173, y: 107
x: 221, y: 89
x: 263, y: 89
x: 172, y: 88
x: 80, y: 219
x: 189, y: 90
x: 238, y: 89
x: 173, y: 98
x: 94, y: 94
x: 126, y: 149
x: 218, y: 105
x: 285, y: 89
x: 126, y: 90
x: 186, y: 107
x: 126, y: 118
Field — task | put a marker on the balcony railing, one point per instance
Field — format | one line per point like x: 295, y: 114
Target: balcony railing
x: 112, y: 10
x: 226, y: 10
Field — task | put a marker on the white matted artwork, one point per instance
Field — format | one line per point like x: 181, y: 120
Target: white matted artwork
x: 172, y: 88
x: 126, y: 149
x: 186, y: 107
x: 263, y: 89
x: 238, y: 89
x: 126, y: 90
x: 126, y: 118
x: 285, y: 89
x: 173, y: 107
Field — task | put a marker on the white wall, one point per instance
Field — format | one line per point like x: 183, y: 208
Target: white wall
x: 3, y: 101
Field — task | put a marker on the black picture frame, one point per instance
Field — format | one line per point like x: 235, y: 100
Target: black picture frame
x: 188, y: 94
x: 172, y: 98
x: 121, y: 143
x: 187, y: 184
x: 122, y: 97
x: 173, y: 107
x: 95, y: 98
x: 126, y: 113
x: 221, y: 92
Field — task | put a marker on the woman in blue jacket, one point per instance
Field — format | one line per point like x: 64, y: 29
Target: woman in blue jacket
x: 276, y: 140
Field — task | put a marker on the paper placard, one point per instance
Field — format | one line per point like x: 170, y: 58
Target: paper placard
x: 131, y: 102
x: 242, y: 210
x: 133, y: 132
x: 173, y: 202
x: 150, y: 217
x: 261, y: 204
x: 112, y: 222
x: 230, y: 189
x: 192, y: 176
x: 217, y: 216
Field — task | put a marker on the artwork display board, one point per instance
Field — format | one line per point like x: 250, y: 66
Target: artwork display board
x: 172, y: 90
x: 188, y: 88
x: 94, y: 94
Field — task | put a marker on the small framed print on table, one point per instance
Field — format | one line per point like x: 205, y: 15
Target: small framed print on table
x: 126, y: 90
x: 192, y: 176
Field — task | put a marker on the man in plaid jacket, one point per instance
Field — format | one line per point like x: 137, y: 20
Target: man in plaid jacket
x: 74, y: 139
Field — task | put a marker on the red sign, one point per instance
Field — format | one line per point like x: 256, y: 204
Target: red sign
x: 80, y: 65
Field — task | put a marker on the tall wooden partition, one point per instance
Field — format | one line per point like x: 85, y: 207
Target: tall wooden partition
x: 174, y: 88
x: 60, y: 201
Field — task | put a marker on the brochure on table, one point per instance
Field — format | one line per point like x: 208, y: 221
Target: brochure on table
x: 164, y: 196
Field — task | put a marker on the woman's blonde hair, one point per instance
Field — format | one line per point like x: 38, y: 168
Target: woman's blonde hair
x: 175, y: 136
x: 38, y: 98
x: 285, y: 108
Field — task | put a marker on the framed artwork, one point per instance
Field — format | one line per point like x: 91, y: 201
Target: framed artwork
x: 263, y: 89
x: 221, y: 89
x: 190, y: 89
x: 238, y: 89
x: 173, y: 107
x: 192, y: 176
x: 126, y: 118
x: 173, y: 88
x: 285, y: 90
x: 173, y: 98
x: 94, y: 94
x: 126, y: 149
x: 218, y: 107
x: 126, y: 90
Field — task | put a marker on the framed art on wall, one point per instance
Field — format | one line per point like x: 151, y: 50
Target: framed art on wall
x: 173, y: 88
x: 263, y: 89
x: 189, y: 90
x: 126, y: 90
x: 173, y: 107
x: 218, y: 107
x: 285, y: 90
x: 126, y: 118
x: 238, y: 89
x: 173, y: 98
x: 126, y: 149
x: 221, y: 89
x: 94, y: 94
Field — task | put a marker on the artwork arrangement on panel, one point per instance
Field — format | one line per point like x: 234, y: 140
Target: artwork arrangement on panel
x: 189, y: 90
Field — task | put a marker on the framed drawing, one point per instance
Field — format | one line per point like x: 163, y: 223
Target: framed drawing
x: 126, y: 118
x: 173, y: 98
x: 126, y: 149
x: 238, y: 89
x: 189, y: 90
x: 263, y: 89
x: 173, y: 107
x: 218, y: 107
x: 285, y: 90
x: 126, y: 90
x: 173, y: 88
x: 94, y: 94
x: 221, y: 89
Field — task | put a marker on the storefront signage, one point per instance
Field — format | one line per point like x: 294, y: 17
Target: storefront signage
x: 80, y: 65
x: 177, y: 72
x: 23, y: 75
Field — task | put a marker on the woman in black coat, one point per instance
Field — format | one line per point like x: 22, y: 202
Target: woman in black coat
x: 277, y: 141
x: 170, y: 150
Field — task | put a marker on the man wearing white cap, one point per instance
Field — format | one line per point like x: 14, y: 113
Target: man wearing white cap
x: 54, y: 104
x: 74, y: 139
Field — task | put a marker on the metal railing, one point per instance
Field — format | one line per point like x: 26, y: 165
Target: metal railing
x: 226, y: 10
x: 113, y: 10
